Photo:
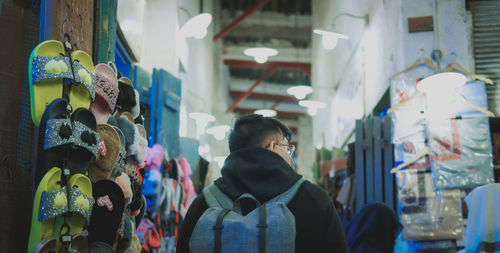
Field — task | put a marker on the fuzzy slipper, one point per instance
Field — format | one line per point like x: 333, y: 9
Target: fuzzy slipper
x: 82, y: 91
x: 136, y: 109
x: 109, y: 151
x: 56, y: 138
x: 86, y: 140
x: 106, y: 93
x: 120, y: 163
x: 126, y: 97
x: 129, y: 131
x: 126, y: 114
x: 47, y: 69
x: 80, y: 203
x: 50, y: 202
x: 107, y: 212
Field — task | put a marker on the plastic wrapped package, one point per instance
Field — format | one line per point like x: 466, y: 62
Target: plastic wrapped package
x: 402, y: 89
x: 427, y: 214
x: 409, y: 138
x: 451, y: 105
x: 460, y: 151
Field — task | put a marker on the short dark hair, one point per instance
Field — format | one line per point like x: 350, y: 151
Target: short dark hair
x: 253, y: 130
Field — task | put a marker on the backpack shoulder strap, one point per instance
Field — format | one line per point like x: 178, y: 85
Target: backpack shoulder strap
x: 288, y: 195
x: 216, y: 198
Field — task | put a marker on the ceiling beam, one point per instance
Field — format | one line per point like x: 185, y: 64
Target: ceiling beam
x: 277, y: 64
x: 275, y: 105
x: 279, y: 115
x: 264, y: 96
x: 250, y: 91
x: 240, y: 19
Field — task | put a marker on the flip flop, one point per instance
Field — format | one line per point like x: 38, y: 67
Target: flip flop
x: 50, y: 202
x: 46, y: 246
x: 82, y: 92
x: 47, y: 69
x: 107, y: 212
x: 106, y: 93
x: 109, y: 151
x: 86, y: 141
x: 55, y: 139
x: 80, y: 203
x: 121, y: 156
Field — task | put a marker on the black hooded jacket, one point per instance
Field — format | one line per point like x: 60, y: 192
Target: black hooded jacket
x: 265, y: 174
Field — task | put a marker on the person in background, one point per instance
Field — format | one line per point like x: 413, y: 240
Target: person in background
x: 373, y: 230
x: 260, y: 163
x: 482, y: 233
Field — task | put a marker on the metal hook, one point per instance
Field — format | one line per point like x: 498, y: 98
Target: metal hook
x: 66, y: 21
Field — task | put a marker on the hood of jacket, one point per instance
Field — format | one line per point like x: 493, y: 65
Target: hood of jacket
x: 257, y: 171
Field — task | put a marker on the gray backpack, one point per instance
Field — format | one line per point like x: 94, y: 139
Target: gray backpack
x: 270, y: 227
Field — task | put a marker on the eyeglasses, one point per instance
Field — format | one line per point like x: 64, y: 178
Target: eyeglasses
x: 290, y: 149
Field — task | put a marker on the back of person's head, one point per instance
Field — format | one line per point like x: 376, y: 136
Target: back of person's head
x: 254, y: 130
x: 374, y: 228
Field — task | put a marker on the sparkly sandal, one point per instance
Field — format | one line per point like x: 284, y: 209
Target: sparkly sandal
x: 47, y: 69
x: 56, y: 138
x: 50, y: 202
x: 80, y: 203
x: 82, y: 90
x: 85, y: 142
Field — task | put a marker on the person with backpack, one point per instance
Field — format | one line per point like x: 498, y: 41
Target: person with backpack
x: 260, y: 204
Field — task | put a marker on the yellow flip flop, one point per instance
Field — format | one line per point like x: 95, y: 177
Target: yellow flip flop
x: 50, y: 202
x: 82, y: 94
x: 80, y: 203
x: 47, y: 69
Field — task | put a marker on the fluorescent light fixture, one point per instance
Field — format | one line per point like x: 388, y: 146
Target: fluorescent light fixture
x: 219, y: 132
x: 312, y: 106
x: 300, y: 91
x: 197, y: 26
x: 202, y: 119
x: 266, y: 112
x: 260, y: 54
x: 329, y: 39
x: 441, y: 83
x: 204, y: 150
x: 220, y: 160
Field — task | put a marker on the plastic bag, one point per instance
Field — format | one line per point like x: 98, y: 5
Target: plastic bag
x: 450, y: 105
x: 460, y: 150
x: 427, y: 214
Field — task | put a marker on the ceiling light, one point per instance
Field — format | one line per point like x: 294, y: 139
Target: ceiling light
x: 202, y: 119
x: 329, y: 39
x: 260, y: 54
x: 266, y: 112
x: 312, y: 106
x: 219, y: 132
x: 197, y: 26
x: 220, y: 160
x: 441, y: 83
x: 300, y: 91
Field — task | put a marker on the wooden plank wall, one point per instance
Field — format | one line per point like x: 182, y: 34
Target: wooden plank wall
x: 81, y: 16
x: 19, y: 26
x: 17, y: 19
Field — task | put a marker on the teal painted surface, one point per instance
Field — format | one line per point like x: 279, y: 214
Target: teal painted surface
x: 106, y: 31
x: 168, y: 111
x: 189, y: 150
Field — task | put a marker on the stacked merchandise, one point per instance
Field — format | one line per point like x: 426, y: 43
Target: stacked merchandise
x: 442, y: 147
x: 91, y: 143
x: 168, y: 191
